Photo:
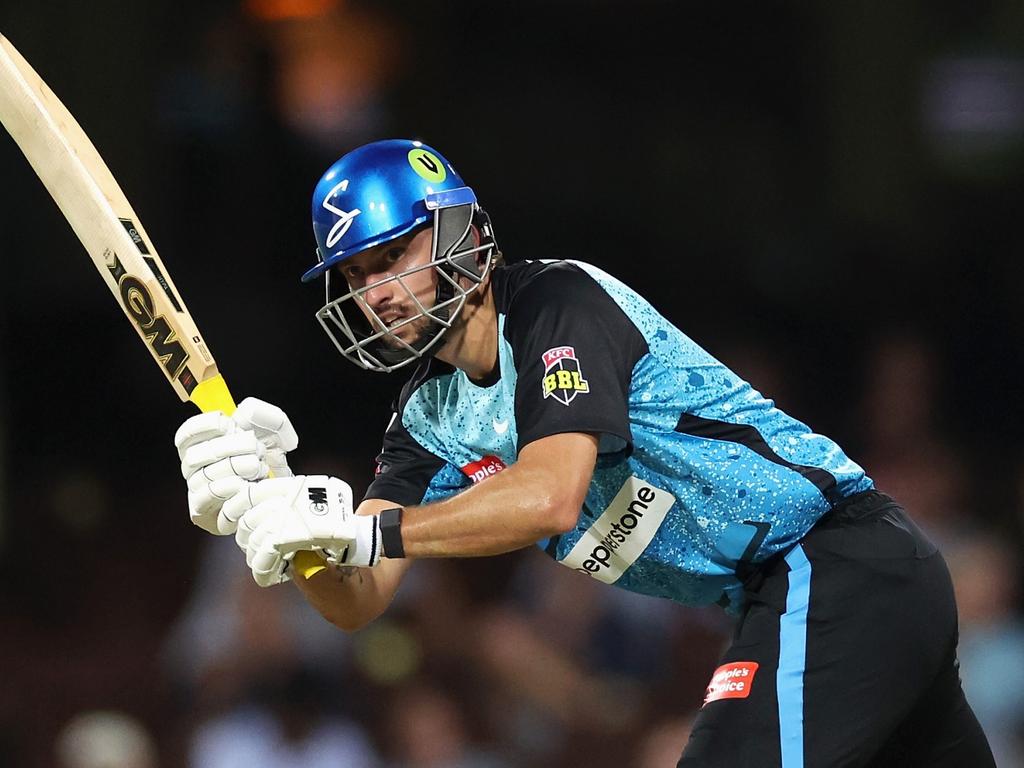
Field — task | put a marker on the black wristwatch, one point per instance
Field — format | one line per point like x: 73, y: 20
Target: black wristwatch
x: 391, y: 533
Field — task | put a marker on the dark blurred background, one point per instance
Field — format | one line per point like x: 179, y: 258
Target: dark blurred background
x: 825, y: 195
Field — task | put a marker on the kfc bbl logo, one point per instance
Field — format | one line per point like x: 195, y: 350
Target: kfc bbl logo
x: 562, y: 377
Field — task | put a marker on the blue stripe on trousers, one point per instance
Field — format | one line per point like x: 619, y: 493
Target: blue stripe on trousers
x: 789, y: 681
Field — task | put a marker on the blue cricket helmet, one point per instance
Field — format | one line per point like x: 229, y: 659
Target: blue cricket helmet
x: 374, y: 194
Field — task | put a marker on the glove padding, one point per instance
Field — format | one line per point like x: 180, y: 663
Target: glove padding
x: 272, y: 428
x: 281, y: 516
x: 221, y: 455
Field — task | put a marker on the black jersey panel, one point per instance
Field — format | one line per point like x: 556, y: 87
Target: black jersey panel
x: 574, y: 352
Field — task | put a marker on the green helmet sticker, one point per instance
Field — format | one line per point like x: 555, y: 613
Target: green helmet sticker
x: 428, y: 165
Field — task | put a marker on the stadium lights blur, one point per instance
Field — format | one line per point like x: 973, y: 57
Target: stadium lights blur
x: 284, y: 10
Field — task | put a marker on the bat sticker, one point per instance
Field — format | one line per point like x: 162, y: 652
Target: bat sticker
x: 155, y: 329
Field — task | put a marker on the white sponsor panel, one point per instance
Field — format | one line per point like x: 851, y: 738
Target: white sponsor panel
x: 621, y: 534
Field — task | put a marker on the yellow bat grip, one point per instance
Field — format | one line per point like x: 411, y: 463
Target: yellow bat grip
x: 214, y: 395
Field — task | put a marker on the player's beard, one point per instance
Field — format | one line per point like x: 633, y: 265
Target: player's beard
x: 415, y: 333
x: 418, y: 332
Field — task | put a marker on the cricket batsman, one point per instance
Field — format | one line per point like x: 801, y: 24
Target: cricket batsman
x: 549, y: 404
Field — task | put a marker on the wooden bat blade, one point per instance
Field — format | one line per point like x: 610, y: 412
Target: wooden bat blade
x: 92, y: 201
x: 85, y: 190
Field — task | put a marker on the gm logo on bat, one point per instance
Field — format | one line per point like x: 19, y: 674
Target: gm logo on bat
x: 138, y: 301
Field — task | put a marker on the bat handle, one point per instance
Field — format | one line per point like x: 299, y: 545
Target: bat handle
x: 214, y: 395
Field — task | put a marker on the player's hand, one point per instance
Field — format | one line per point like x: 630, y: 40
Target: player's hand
x: 272, y: 428
x: 220, y: 456
x: 281, y: 516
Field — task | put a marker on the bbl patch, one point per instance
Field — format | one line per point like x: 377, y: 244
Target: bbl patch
x: 563, y: 379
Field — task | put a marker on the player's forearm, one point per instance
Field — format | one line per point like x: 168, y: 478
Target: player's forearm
x: 350, y: 597
x: 511, y: 510
x: 533, y: 499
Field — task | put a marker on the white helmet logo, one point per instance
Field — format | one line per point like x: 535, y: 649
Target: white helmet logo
x: 344, y: 217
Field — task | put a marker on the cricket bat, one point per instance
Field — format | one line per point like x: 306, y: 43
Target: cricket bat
x: 89, y: 197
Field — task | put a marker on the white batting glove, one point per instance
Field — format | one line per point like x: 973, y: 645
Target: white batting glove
x: 272, y: 428
x: 281, y: 516
x: 220, y: 456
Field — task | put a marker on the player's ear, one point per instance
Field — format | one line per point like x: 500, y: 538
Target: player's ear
x: 475, y: 233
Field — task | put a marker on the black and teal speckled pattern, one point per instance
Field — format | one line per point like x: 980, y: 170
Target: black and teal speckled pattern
x: 719, y: 486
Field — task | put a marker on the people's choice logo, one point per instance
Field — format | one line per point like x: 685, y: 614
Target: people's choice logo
x: 427, y: 165
x: 731, y: 681
x: 563, y: 379
x: 621, y: 534
x: 483, y: 468
x: 344, y: 217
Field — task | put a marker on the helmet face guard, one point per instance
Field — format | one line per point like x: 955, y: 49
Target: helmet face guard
x: 371, y: 196
x: 364, y: 338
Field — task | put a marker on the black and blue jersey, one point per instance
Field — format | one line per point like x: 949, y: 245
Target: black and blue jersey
x: 698, y: 474
x: 704, y: 491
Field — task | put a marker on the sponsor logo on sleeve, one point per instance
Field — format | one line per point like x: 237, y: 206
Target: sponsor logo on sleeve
x: 563, y: 379
x: 484, y: 468
x: 731, y: 681
x: 622, y: 532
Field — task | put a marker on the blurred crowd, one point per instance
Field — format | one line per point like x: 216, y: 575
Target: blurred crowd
x: 868, y: 292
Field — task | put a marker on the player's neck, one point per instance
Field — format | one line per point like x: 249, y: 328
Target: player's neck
x: 472, y: 345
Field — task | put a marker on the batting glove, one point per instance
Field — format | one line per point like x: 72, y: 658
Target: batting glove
x: 281, y: 516
x: 220, y: 456
x: 272, y: 428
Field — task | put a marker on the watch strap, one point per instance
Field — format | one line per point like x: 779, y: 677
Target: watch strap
x: 391, y: 533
